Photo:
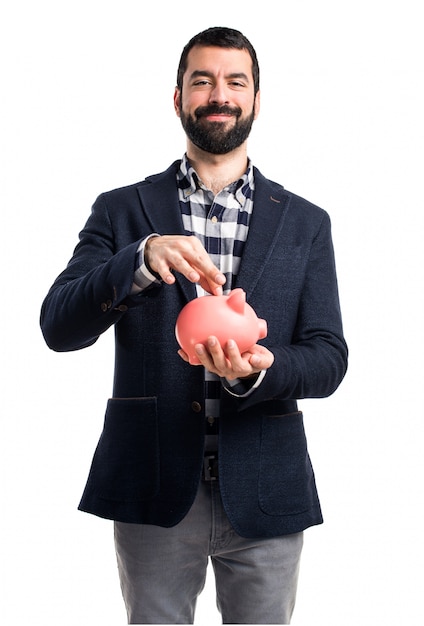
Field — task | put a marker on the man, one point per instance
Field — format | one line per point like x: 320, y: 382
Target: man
x: 211, y: 460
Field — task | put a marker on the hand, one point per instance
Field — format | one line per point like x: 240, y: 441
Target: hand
x: 229, y: 363
x: 184, y: 254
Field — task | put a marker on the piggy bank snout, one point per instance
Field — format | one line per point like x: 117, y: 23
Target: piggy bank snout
x: 263, y: 328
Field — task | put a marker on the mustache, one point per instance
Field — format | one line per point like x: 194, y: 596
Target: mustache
x: 213, y: 109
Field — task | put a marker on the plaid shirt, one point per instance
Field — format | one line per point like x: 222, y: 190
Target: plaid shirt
x: 221, y: 223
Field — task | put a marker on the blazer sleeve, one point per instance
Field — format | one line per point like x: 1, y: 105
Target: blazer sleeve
x: 314, y: 362
x: 94, y: 291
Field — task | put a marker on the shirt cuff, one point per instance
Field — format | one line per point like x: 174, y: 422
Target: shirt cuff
x: 243, y: 387
x: 144, y: 277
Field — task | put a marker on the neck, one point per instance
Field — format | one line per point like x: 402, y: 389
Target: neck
x: 216, y: 171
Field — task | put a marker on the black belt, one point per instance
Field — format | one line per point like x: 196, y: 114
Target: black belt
x: 210, y: 466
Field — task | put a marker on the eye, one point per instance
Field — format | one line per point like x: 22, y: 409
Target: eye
x: 202, y: 82
x: 238, y: 80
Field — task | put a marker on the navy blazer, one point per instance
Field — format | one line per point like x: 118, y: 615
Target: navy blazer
x: 147, y: 465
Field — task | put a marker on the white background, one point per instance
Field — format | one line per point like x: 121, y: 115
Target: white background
x: 86, y: 107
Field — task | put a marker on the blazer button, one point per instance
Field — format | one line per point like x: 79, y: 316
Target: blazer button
x: 196, y: 406
x: 104, y: 307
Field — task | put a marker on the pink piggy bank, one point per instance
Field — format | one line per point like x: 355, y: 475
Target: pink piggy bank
x: 224, y: 317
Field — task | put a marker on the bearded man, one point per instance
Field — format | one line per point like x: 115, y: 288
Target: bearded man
x: 206, y: 461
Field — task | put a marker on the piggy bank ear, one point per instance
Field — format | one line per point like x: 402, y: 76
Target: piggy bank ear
x: 237, y: 300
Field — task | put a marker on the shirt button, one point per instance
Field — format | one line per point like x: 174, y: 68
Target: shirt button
x: 196, y: 406
x: 214, y: 219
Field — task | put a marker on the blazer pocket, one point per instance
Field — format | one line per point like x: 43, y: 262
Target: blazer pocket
x: 286, y: 481
x: 125, y: 466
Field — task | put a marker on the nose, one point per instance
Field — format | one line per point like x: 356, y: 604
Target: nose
x: 218, y: 94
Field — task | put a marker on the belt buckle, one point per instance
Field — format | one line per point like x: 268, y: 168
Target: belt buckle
x: 210, y: 467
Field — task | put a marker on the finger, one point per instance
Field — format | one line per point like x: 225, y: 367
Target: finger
x: 204, y: 357
x: 181, y: 265
x: 233, y: 353
x: 212, y: 347
x: 184, y: 262
x: 260, y: 358
x: 217, y: 354
x: 212, y: 282
x: 165, y: 272
x: 211, y: 278
x: 212, y: 287
x: 255, y: 361
x: 184, y: 356
x: 240, y: 363
x: 208, y: 358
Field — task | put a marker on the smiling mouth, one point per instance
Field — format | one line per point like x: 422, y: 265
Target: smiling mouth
x: 218, y: 117
x: 217, y: 114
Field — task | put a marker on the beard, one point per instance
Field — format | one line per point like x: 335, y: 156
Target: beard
x: 213, y: 137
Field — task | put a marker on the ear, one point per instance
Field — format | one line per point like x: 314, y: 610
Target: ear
x: 237, y: 300
x: 177, y: 100
x: 257, y: 104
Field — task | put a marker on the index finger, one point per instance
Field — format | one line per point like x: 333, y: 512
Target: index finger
x: 213, y: 284
x: 209, y: 277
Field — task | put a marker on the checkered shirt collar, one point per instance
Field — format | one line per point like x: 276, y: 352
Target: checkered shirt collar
x: 189, y: 182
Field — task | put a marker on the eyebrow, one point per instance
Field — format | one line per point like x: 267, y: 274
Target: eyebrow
x: 200, y: 73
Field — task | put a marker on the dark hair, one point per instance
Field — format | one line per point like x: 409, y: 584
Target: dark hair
x: 223, y: 38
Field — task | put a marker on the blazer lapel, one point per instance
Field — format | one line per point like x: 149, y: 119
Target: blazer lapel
x: 159, y: 198
x: 270, y: 208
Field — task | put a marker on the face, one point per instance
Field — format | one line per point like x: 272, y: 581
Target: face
x: 217, y: 105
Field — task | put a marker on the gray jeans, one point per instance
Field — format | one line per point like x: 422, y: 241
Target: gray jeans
x: 163, y: 570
